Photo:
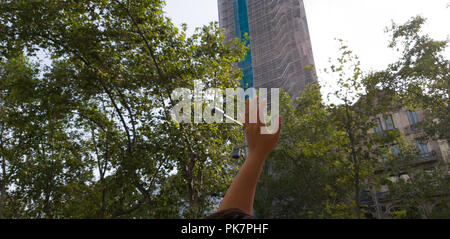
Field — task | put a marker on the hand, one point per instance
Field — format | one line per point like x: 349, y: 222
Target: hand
x: 259, y: 144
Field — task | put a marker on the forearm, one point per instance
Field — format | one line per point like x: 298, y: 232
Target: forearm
x: 241, y: 193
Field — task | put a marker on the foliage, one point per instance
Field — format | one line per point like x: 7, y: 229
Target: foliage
x: 416, y: 188
x: 308, y: 143
x: 91, y: 135
x: 420, y: 78
x: 358, y: 141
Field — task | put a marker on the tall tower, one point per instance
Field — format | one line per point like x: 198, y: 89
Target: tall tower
x: 280, y: 55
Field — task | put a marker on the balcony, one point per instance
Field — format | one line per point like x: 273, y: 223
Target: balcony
x: 367, y: 199
x: 425, y: 157
x: 386, y: 132
x: 420, y: 159
x: 412, y: 129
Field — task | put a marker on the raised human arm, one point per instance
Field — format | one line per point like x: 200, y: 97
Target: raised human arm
x: 241, y: 193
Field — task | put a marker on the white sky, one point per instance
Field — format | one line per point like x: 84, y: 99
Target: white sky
x: 360, y: 22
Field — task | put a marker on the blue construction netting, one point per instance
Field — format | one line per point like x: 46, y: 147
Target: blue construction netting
x: 242, y: 28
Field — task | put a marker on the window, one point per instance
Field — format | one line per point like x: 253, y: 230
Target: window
x: 389, y: 122
x: 395, y: 150
x: 422, y: 146
x: 378, y: 127
x: 412, y: 117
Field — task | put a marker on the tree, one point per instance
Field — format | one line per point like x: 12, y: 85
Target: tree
x: 108, y: 146
x: 420, y: 78
x: 355, y: 119
x: 416, y: 189
x: 347, y: 142
x: 293, y: 183
x: 327, y: 155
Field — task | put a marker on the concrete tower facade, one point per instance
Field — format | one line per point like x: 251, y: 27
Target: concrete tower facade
x: 280, y: 55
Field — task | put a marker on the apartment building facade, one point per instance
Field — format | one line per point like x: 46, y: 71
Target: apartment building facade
x: 430, y: 154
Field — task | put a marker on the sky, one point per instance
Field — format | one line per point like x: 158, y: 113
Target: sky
x: 361, y: 23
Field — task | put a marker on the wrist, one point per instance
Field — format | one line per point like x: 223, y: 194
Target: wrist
x: 257, y: 155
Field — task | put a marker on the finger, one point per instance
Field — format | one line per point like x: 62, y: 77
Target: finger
x: 252, y: 116
x: 247, y: 111
x: 279, y: 125
x: 261, y: 106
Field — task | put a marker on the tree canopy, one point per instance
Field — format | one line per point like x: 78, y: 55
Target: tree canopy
x: 86, y: 130
x: 90, y: 134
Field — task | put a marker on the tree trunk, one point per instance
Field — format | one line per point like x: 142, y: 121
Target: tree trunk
x: 194, y: 202
x: 3, y: 188
x: 377, y: 205
x: 357, y: 207
x: 2, y: 198
x: 3, y: 179
x: 355, y: 161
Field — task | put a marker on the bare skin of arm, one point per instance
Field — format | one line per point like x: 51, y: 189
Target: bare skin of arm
x: 241, y: 193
